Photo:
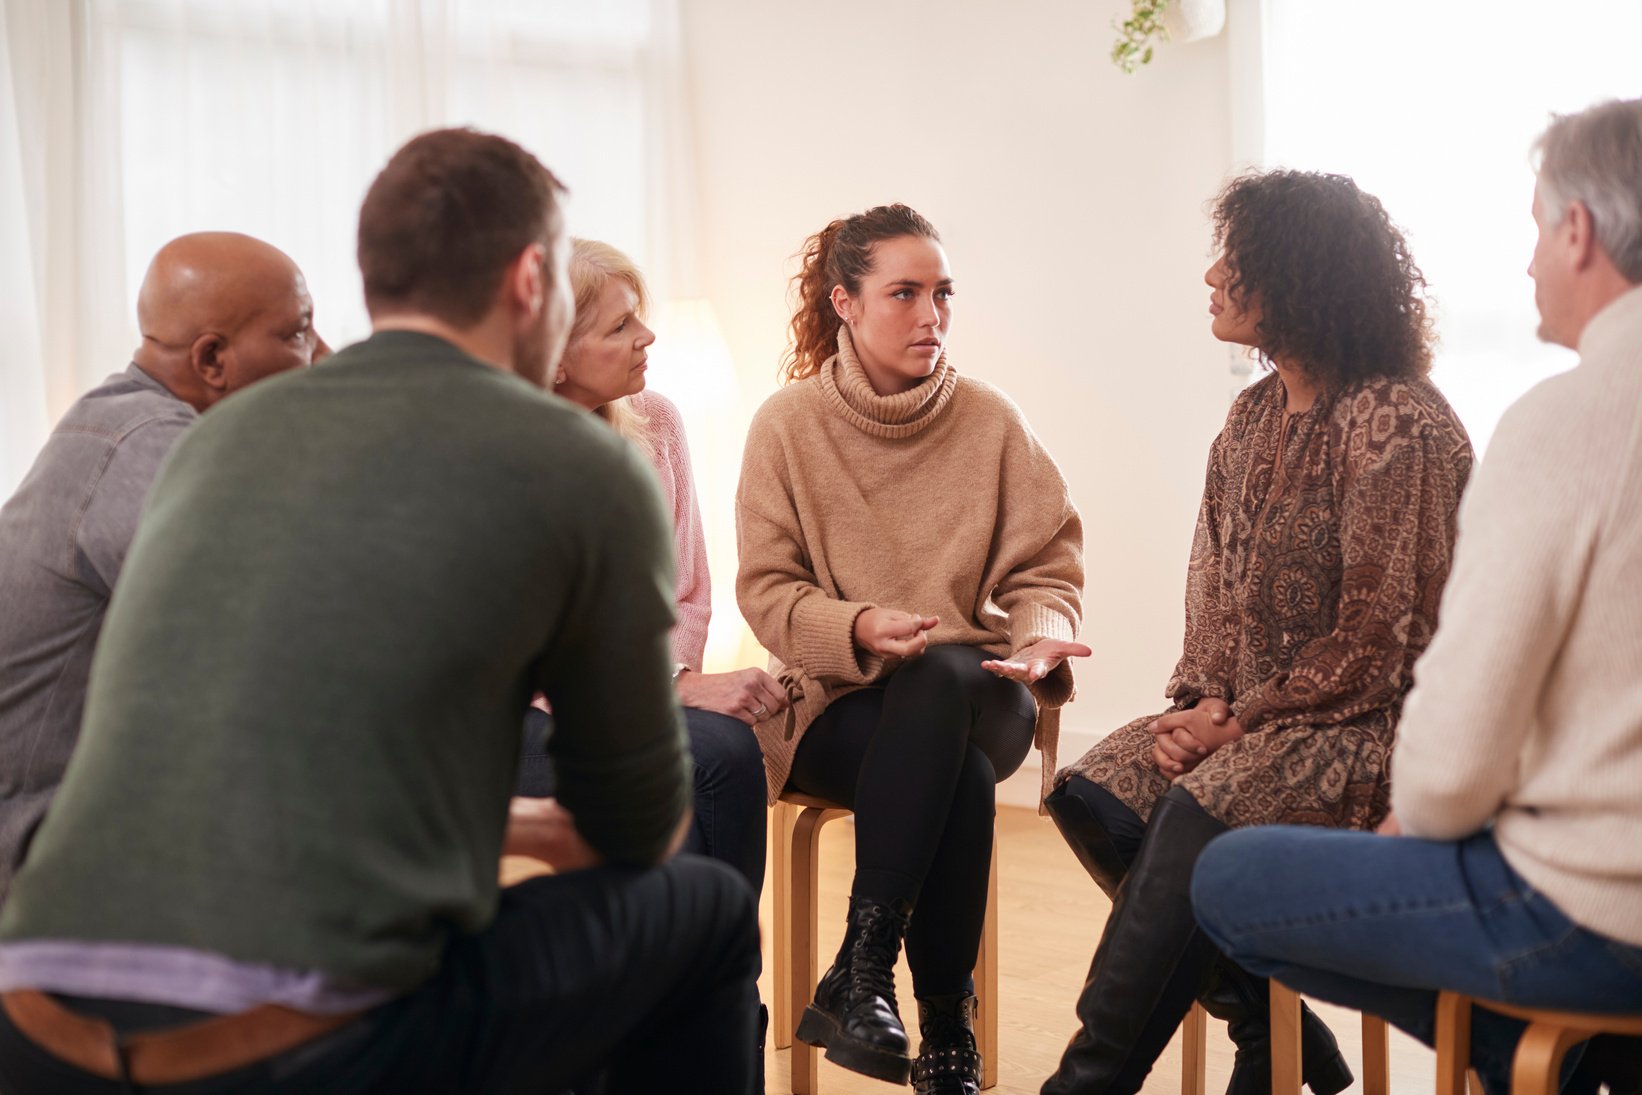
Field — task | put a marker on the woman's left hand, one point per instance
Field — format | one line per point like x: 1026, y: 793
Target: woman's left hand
x: 1036, y: 661
x: 542, y: 829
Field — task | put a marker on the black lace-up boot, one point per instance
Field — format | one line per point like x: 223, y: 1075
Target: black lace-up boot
x: 947, y: 1063
x: 854, y: 1014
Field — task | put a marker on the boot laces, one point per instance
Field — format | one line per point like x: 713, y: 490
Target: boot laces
x: 942, y: 1031
x: 872, y: 965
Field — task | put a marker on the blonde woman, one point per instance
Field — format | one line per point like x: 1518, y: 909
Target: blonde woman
x: 603, y: 369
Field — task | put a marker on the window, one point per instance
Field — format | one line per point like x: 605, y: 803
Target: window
x: 1433, y: 108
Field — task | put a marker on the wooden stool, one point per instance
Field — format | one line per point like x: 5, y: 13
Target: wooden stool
x: 1538, y: 1064
x: 797, y: 821
x: 1285, y: 1048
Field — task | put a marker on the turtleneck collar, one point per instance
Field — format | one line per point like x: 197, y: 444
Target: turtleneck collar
x: 850, y: 395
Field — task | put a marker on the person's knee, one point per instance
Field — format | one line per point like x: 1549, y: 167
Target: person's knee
x: 726, y: 754
x: 728, y: 910
x: 947, y: 668
x: 1226, y: 883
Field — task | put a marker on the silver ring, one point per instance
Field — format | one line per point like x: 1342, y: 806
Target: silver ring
x: 760, y: 711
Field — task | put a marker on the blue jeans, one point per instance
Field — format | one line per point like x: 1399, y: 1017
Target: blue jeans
x: 1380, y: 924
x: 729, y: 797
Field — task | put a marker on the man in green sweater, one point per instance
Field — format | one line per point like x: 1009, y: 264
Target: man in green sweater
x: 272, y: 865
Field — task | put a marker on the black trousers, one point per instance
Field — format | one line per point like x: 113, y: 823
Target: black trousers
x: 609, y: 980
x: 918, y: 760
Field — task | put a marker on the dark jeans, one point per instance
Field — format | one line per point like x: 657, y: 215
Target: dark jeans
x: 1380, y: 924
x: 729, y: 798
x: 609, y: 980
x: 918, y: 760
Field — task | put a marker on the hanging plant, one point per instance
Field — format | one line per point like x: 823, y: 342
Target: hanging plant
x: 1134, y: 47
x: 1166, y: 21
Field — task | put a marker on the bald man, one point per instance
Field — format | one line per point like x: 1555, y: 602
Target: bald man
x: 218, y: 311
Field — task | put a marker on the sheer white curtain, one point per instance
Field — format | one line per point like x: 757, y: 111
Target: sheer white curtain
x: 1433, y: 108
x: 124, y: 123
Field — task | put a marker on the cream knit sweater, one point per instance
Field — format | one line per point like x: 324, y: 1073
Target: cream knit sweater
x: 938, y: 500
x: 1527, y: 707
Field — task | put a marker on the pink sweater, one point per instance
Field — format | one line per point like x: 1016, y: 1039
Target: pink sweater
x: 670, y: 454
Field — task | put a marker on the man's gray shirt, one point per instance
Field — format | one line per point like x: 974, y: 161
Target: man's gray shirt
x: 63, y: 538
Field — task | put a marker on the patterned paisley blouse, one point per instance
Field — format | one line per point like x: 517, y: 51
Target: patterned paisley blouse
x: 1312, y: 590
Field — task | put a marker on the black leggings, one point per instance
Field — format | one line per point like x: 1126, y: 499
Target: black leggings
x: 918, y: 760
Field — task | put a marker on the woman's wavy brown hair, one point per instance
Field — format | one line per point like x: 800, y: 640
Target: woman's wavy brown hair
x: 1336, y: 288
x: 839, y: 254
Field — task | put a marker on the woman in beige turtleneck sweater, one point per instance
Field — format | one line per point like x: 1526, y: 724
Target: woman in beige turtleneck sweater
x: 912, y: 561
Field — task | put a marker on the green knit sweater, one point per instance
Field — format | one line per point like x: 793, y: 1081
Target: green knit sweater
x: 303, y: 721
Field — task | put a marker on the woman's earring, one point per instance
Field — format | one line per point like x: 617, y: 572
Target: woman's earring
x: 559, y: 378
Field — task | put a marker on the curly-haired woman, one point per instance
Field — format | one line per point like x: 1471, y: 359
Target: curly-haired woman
x: 911, y: 558
x: 1322, y: 546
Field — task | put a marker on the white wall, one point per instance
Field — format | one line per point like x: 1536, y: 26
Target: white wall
x: 1071, y: 200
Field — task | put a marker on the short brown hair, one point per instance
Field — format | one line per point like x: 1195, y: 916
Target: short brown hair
x: 444, y: 218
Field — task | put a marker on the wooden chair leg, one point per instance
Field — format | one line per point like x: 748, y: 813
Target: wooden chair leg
x: 986, y: 979
x: 1194, y: 1052
x: 1537, y: 1069
x: 1453, y: 1042
x: 1285, y: 1040
x: 805, y: 957
x: 1376, y: 1056
x: 782, y: 1019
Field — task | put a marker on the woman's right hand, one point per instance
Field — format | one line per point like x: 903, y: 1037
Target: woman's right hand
x: 891, y: 633
x: 1185, y: 738
x: 750, y: 695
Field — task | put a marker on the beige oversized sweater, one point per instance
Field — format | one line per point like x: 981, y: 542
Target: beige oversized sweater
x: 1527, y: 707
x: 938, y: 500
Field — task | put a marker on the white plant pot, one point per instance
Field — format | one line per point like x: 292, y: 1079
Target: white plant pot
x: 1190, y: 20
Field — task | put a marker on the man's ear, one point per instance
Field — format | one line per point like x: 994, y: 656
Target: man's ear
x: 527, y: 280
x: 1580, y: 232
x: 208, y: 354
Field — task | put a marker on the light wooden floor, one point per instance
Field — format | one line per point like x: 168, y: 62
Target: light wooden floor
x: 1051, y: 916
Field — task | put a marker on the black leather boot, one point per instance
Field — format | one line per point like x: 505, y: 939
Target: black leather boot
x: 948, y: 1063
x: 1243, y: 1001
x: 854, y: 1014
x: 1151, y: 962
x: 1087, y: 837
x: 763, y: 1032
x: 1608, y: 1060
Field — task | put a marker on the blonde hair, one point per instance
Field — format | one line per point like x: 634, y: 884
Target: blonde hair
x: 592, y: 265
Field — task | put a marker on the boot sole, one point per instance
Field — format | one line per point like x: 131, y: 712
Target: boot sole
x: 869, y: 1060
x: 817, y: 1028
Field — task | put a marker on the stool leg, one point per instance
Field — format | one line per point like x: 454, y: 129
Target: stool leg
x: 1538, y: 1065
x: 1376, y: 1056
x: 806, y: 941
x: 783, y: 1021
x: 986, y: 980
x: 1285, y: 1040
x: 1453, y: 1042
x: 1194, y: 1056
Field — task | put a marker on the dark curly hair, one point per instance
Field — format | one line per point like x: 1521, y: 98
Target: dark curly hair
x: 1330, y: 274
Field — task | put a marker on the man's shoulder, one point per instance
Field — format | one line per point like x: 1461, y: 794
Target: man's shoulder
x: 122, y: 404
x: 127, y: 418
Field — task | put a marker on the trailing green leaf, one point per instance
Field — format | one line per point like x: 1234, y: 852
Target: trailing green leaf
x: 1134, y: 46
